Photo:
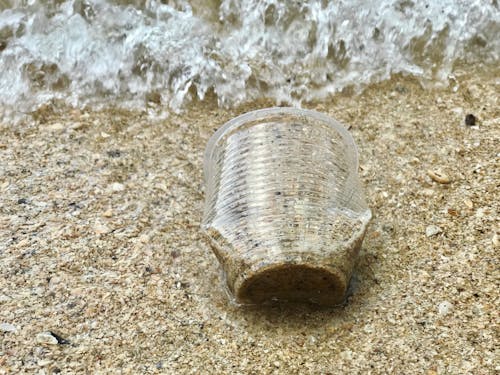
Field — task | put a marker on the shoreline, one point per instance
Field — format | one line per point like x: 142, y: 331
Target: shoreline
x: 100, y: 244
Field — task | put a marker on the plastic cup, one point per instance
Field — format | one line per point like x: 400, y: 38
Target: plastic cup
x: 284, y: 212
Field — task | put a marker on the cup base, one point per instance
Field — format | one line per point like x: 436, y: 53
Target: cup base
x: 292, y: 283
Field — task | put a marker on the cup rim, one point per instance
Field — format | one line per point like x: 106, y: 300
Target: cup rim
x: 242, y: 119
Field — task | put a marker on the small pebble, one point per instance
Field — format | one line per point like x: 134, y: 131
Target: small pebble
x: 469, y: 204
x: 428, y: 192
x: 7, y: 327
x: 55, y: 127
x: 470, y: 120
x: 480, y: 212
x: 432, y: 230
x: 346, y: 355
x: 77, y: 126
x: 116, y: 187
x: 44, y: 362
x: 477, y: 310
x: 144, y: 238
x: 368, y: 328
x: 495, y: 240
x: 46, y: 338
x: 108, y: 213
x: 114, y: 153
x: 22, y: 243
x: 444, y: 308
x: 312, y: 340
x: 439, y: 177
x: 101, y: 228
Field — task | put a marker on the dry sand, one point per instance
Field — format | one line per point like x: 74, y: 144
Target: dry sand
x: 100, y: 244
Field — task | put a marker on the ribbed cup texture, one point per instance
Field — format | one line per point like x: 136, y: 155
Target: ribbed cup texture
x: 284, y: 208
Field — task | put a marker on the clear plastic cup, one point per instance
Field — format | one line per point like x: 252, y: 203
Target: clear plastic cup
x: 284, y: 211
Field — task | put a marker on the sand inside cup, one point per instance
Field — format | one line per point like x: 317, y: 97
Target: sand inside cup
x: 293, y: 282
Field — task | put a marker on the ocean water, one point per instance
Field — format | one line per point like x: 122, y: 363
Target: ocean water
x: 164, y: 54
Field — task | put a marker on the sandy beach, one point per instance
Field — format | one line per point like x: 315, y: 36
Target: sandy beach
x: 103, y: 268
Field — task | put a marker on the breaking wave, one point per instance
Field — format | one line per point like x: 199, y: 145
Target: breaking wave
x: 165, y: 53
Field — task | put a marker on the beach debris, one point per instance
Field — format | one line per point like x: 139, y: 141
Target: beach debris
x: 7, y: 327
x: 438, y: 176
x: 444, y: 308
x: 432, y: 230
x: 108, y: 213
x: 495, y: 240
x: 22, y: 201
x: 262, y: 265
x: 470, y: 120
x: 50, y: 338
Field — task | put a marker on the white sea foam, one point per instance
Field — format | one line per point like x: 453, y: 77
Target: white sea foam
x: 101, y: 52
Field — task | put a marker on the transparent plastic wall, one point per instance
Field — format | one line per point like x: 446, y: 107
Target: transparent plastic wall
x: 285, y: 212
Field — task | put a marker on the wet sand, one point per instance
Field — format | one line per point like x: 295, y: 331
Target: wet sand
x: 103, y: 268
